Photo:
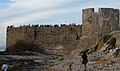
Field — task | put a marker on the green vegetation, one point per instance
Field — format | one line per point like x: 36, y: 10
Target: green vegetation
x: 96, y: 46
x: 112, y: 41
x: 86, y: 50
x: 106, y: 38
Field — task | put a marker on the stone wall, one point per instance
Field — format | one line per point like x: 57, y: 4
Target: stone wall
x: 19, y: 34
x: 119, y: 19
x: 65, y: 37
x: 103, y: 21
x: 94, y: 23
x: 86, y: 21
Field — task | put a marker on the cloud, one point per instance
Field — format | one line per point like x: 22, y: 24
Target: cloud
x: 29, y: 4
x: 18, y: 12
x: 26, y: 10
x: 23, y: 11
x: 21, y: 6
x: 37, y: 15
x: 32, y: 10
x: 102, y: 3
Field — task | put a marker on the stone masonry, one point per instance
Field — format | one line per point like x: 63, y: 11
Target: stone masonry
x: 65, y: 37
x: 44, y: 36
x: 103, y: 21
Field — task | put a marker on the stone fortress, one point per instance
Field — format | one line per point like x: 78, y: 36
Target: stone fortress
x: 104, y: 21
x: 64, y: 38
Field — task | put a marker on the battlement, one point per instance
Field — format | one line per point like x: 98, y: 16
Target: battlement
x: 99, y: 10
x: 108, y: 9
x: 56, y: 25
x: 42, y: 36
x: 88, y: 10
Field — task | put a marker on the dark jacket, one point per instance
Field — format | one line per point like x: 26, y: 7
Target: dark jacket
x: 84, y: 56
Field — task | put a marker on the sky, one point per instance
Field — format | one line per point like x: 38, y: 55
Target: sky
x: 24, y: 12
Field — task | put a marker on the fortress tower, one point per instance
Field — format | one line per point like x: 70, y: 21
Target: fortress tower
x: 66, y: 37
x: 103, y: 21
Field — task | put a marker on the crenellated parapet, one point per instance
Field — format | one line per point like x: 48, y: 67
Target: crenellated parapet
x: 42, y: 36
x: 56, y: 25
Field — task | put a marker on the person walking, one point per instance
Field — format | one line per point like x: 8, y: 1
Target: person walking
x: 85, y: 60
x: 4, y: 67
